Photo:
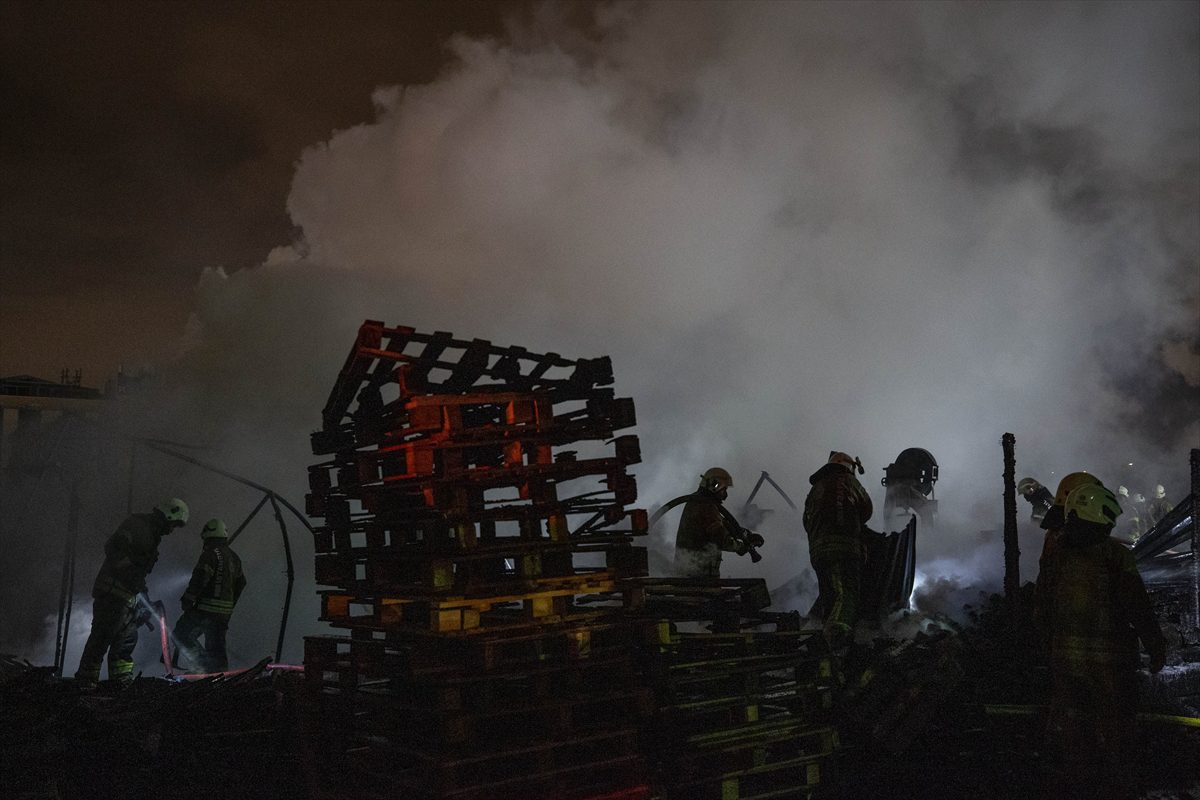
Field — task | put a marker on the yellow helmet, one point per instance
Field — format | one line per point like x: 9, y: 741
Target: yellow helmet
x: 1072, y: 482
x: 1093, y: 503
x: 715, y: 479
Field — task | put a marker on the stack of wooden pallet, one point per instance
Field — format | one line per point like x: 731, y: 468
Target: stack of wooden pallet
x: 480, y: 569
x: 744, y: 696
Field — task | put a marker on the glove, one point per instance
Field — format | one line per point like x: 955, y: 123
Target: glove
x: 754, y: 540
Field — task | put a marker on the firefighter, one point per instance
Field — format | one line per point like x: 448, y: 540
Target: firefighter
x: 129, y: 556
x: 706, y: 529
x: 1037, y: 496
x: 1158, y: 508
x: 1053, y: 523
x: 217, y: 583
x: 1055, y: 516
x: 835, y: 512
x: 1096, y: 608
x: 1132, y: 506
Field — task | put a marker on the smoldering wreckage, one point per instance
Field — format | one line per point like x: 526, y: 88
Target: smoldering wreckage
x: 504, y: 635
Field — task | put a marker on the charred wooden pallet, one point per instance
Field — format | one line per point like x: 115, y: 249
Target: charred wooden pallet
x: 519, y: 425
x: 683, y: 644
x: 742, y: 692
x: 460, y: 511
x: 345, y: 664
x: 579, y: 766
x: 406, y: 654
x: 552, y: 601
x: 436, y: 470
x: 498, y: 568
x: 481, y: 570
x: 438, y: 363
x: 532, y: 527
x: 751, y: 745
x: 549, y: 523
x: 737, y: 670
x: 516, y: 722
x: 691, y: 715
x: 788, y: 780
x: 723, y: 604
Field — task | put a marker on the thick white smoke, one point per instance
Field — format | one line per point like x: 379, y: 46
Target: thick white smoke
x: 795, y: 227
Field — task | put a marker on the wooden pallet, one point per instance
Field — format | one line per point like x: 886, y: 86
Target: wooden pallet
x: 401, y: 355
x: 495, y: 570
x: 724, y: 604
x: 795, y: 779
x: 426, y: 468
x: 595, y: 762
x: 690, y: 715
x: 753, y: 745
x: 516, y: 723
x: 405, y: 654
x: 333, y: 664
x: 517, y: 427
x: 552, y: 602
x: 534, y: 526
x: 739, y: 643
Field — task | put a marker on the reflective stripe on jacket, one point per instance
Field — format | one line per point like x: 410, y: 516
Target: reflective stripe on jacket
x: 217, y: 581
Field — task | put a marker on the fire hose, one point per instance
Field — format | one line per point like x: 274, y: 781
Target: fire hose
x: 1030, y: 711
x: 160, y: 613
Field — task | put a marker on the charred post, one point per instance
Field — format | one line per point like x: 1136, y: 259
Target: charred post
x: 1012, y: 550
x: 1195, y: 463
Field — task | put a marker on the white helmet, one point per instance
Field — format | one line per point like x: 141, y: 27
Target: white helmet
x: 175, y: 510
x: 214, y: 529
x: 1160, y: 492
x: 1122, y: 491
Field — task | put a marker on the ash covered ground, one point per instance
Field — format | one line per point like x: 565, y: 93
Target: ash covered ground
x: 933, y: 708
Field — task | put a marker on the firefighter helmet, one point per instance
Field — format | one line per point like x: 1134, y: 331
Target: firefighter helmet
x: 1027, y: 486
x: 1160, y: 492
x: 1093, y: 503
x: 1070, y: 483
x: 715, y: 479
x: 214, y: 529
x: 175, y: 510
x: 838, y: 457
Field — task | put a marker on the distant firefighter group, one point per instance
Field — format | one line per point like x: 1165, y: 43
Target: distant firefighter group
x: 836, y: 512
x: 120, y: 605
x: 1141, y: 515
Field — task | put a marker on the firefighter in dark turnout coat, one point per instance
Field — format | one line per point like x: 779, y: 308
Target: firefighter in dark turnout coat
x: 835, y: 511
x: 217, y: 583
x: 1094, y: 608
x: 706, y: 529
x: 129, y: 556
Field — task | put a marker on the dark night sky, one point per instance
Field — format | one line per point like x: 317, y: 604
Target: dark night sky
x: 142, y: 142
